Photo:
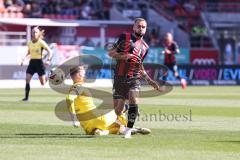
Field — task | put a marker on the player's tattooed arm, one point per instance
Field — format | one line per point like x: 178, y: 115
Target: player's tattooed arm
x: 149, y: 80
x: 144, y: 74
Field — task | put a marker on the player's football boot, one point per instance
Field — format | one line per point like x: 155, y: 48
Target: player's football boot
x: 183, y: 83
x: 25, y: 99
x: 143, y: 130
x: 76, y: 124
x: 140, y: 130
x: 127, y: 133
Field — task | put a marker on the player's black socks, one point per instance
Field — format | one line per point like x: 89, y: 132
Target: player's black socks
x: 27, y: 90
x: 132, y: 115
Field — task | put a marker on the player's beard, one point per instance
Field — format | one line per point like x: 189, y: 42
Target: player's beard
x: 139, y: 35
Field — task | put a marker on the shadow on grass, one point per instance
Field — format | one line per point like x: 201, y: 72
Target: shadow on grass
x: 46, y: 135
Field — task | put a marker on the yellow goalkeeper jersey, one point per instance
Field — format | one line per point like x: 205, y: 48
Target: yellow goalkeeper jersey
x: 36, y: 48
x: 80, y: 102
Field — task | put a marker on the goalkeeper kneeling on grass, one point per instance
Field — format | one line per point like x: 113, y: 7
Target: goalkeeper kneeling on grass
x: 82, y: 109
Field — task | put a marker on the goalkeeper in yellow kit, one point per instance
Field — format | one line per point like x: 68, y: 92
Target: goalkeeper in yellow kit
x: 79, y: 102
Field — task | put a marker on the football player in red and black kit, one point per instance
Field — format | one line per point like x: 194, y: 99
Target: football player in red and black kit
x: 129, y: 52
x: 170, y: 49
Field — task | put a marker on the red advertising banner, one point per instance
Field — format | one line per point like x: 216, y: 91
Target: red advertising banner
x: 204, y: 57
x: 64, y: 52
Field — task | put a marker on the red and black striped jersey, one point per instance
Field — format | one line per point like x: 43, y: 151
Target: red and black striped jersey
x: 128, y: 43
x: 170, y: 58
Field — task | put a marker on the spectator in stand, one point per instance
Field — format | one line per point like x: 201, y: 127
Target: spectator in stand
x: 36, y: 10
x: 98, y: 8
x: 106, y: 9
x: 88, y: 42
x: 81, y: 9
x: 51, y: 7
x: 14, y: 6
x: 2, y: 7
x: 78, y: 8
x: 27, y: 10
x: 199, y: 30
x: 67, y: 8
x: 57, y: 8
x: 86, y: 12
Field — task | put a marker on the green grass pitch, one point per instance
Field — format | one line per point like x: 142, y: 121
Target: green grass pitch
x: 209, y: 131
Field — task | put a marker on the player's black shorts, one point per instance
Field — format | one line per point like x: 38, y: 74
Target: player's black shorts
x: 122, y: 85
x: 172, y: 66
x: 36, y: 66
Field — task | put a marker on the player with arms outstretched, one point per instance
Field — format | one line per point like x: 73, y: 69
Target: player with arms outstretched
x: 36, y: 65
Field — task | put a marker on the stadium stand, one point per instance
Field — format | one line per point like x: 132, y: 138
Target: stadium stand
x: 191, y: 16
x: 79, y: 9
x: 187, y: 15
x: 222, y: 19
